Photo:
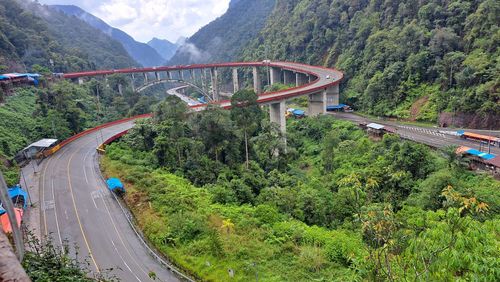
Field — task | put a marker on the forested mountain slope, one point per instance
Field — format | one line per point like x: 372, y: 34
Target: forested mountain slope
x: 141, y: 52
x: 34, y: 34
x: 165, y: 48
x: 421, y: 60
x: 223, y: 39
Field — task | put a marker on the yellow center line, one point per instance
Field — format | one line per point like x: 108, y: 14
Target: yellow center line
x: 76, y: 211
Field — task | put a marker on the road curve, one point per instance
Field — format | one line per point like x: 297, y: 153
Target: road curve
x: 78, y: 209
x: 322, y: 77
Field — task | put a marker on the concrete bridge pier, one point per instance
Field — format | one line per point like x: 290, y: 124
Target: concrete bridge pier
x: 277, y: 114
x: 332, y: 95
x: 169, y: 75
x: 257, y: 85
x: 215, y: 87
x: 236, y: 82
x: 317, y: 104
x: 157, y: 75
x: 300, y: 79
x: 288, y: 77
x: 132, y: 82
x: 120, y: 89
x: 275, y: 75
x: 181, y: 75
x: 80, y: 81
x: 146, y: 78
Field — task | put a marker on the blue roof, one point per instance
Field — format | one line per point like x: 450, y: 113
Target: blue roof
x: 2, y: 77
x: 460, y: 132
x: 336, y: 107
x: 480, y: 154
x: 114, y: 183
x: 298, y: 112
x: 15, y: 192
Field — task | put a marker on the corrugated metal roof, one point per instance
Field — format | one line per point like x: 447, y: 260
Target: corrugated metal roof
x: 43, y: 143
x: 480, y: 136
x: 375, y: 126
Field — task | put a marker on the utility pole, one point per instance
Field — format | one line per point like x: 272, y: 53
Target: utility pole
x: 9, y: 208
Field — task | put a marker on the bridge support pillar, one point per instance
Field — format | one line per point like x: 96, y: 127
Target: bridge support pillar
x: 257, y: 86
x: 300, y: 79
x: 277, y: 114
x: 275, y: 75
x: 132, y: 82
x: 181, y: 75
x: 157, y: 75
x: 288, y: 77
x: 215, y: 87
x: 169, y: 75
x: 332, y: 95
x: 146, y: 78
x: 236, y: 82
x: 192, y: 75
x: 120, y: 89
x: 317, y: 104
x: 80, y: 80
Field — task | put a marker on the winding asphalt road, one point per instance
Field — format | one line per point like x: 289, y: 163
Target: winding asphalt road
x: 77, y: 208
x: 435, y: 137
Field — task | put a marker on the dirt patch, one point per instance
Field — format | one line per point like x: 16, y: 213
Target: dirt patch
x: 470, y: 120
x: 416, y: 107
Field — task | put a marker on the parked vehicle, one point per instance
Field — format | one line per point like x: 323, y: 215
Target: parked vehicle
x: 116, y: 186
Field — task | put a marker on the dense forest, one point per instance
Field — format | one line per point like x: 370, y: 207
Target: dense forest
x: 32, y: 34
x: 223, y: 39
x: 220, y: 190
x: 420, y: 60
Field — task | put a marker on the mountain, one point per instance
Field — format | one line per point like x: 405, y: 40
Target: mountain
x: 141, y: 52
x: 164, y: 47
x: 34, y: 34
x: 418, y: 60
x: 223, y: 39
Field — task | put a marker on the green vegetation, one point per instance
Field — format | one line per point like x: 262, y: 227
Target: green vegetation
x: 46, y: 262
x: 407, y: 59
x: 32, y: 34
x: 331, y: 205
x: 60, y: 111
x: 223, y: 39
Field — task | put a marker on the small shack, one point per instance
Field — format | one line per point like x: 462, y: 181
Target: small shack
x: 38, y: 147
x: 375, y: 129
x: 480, y: 160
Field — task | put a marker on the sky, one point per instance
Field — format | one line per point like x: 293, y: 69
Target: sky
x: 145, y: 19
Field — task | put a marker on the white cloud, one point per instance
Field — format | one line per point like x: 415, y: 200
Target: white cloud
x: 145, y: 19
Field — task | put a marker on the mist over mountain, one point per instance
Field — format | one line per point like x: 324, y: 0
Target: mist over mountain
x: 165, y: 48
x: 31, y: 34
x: 141, y: 52
x: 223, y: 39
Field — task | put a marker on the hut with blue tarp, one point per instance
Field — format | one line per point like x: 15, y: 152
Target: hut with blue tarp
x: 115, y: 185
x: 18, y: 196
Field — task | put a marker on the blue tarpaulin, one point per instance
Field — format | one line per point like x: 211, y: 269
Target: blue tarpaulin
x: 480, y: 154
x: 115, y: 184
x: 335, y: 107
x: 16, y: 193
x: 298, y: 112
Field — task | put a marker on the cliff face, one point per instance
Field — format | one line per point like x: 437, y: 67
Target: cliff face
x: 470, y: 120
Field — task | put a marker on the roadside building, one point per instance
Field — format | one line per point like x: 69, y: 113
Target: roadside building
x: 36, y: 148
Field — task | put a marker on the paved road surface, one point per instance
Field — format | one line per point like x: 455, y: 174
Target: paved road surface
x: 77, y: 207
x: 188, y: 100
x: 436, y: 137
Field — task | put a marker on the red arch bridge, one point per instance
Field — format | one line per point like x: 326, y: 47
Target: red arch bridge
x: 320, y: 84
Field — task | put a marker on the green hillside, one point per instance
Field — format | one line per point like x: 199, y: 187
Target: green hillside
x: 34, y: 34
x: 409, y: 59
x: 223, y: 39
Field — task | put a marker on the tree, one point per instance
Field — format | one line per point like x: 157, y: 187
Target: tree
x: 246, y: 113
